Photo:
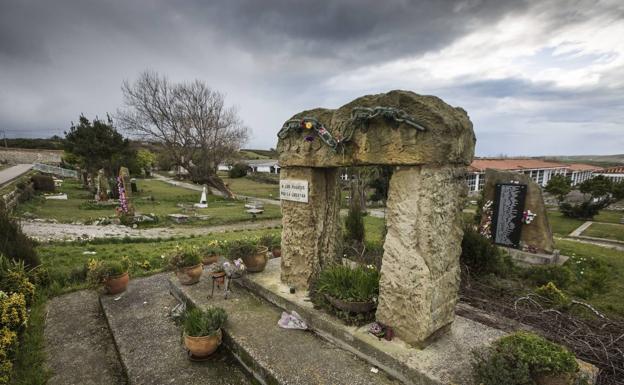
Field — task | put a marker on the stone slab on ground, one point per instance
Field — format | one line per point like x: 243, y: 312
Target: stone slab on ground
x: 445, y: 361
x: 150, y: 344
x: 79, y: 346
x: 275, y: 355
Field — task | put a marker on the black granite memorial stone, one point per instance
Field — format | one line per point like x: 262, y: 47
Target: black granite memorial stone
x: 507, y: 214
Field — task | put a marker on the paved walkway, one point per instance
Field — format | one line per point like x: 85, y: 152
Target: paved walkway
x: 45, y: 231
x: 150, y: 344
x: 8, y: 174
x: 579, y: 230
x: 79, y: 346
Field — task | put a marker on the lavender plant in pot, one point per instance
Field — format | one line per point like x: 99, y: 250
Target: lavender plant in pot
x: 187, y: 265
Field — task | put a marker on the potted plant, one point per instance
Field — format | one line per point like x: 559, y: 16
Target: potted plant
x: 112, y: 274
x: 354, y: 290
x: 187, y: 265
x: 202, y: 331
x: 253, y: 256
x: 273, y: 243
x: 217, y: 271
x: 210, y: 252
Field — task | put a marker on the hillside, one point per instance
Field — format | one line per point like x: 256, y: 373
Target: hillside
x: 598, y: 160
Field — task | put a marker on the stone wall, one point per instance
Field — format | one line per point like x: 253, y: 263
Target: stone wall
x: 23, y: 155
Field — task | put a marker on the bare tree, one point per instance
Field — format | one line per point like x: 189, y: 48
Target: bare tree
x: 190, y: 120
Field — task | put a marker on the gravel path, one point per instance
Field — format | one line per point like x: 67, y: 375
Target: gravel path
x: 45, y: 231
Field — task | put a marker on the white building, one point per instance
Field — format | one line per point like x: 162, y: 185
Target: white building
x: 540, y: 171
x: 579, y: 173
x: 269, y: 166
x: 616, y: 174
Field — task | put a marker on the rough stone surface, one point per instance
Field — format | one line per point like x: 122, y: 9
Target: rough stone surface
x: 420, y: 267
x: 310, y: 231
x: 79, y: 346
x: 448, y: 138
x: 150, y: 344
x: 276, y: 355
x: 445, y: 361
x: 538, y: 234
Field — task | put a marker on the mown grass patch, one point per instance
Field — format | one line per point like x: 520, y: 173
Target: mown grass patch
x: 252, y: 188
x: 605, y: 230
x: 561, y: 225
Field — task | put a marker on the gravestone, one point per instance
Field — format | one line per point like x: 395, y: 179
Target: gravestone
x: 203, y: 200
x: 514, y: 214
x: 430, y: 143
x: 102, y: 187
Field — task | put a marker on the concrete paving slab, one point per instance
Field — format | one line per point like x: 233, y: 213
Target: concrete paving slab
x: 79, y: 346
x: 275, y: 355
x: 150, y: 344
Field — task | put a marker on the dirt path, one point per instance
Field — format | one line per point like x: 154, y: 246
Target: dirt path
x: 44, y: 231
x: 79, y: 346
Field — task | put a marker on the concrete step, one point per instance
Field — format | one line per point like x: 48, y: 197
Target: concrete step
x: 275, y: 355
x: 150, y: 344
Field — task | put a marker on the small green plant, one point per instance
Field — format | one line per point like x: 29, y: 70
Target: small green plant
x: 359, y: 284
x: 270, y: 241
x: 519, y: 358
x: 99, y: 271
x: 241, y: 249
x: 211, y: 248
x: 201, y: 323
x: 354, y: 225
x: 185, y: 257
x: 549, y: 295
x: 561, y: 276
x: 481, y: 256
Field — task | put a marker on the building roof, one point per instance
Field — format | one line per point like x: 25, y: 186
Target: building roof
x: 613, y: 170
x: 512, y: 164
x: 582, y: 167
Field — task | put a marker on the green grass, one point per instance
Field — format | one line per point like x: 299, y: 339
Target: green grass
x: 562, y: 226
x: 605, y: 230
x: 610, y: 300
x: 29, y: 365
x: 373, y: 228
x: 154, y: 197
x: 609, y: 216
x: 66, y: 261
x: 246, y: 186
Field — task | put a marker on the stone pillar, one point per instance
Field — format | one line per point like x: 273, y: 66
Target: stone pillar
x: 311, y: 231
x: 420, y: 271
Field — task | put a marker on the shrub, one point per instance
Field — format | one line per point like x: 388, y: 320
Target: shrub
x: 354, y: 225
x: 187, y: 257
x: 585, y: 210
x: 483, y: 257
x: 13, y: 313
x: 14, y: 244
x: 25, y: 191
x: 14, y: 279
x: 238, y: 170
x: 551, y: 296
x: 561, y: 276
x: 43, y: 183
x: 8, y: 342
x: 519, y: 358
x: 241, y: 249
x: 200, y: 323
x: 359, y: 284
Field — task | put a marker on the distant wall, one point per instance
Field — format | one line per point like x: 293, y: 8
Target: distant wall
x: 24, y: 155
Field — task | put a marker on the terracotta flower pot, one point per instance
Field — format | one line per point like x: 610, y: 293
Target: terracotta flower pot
x: 277, y: 252
x: 352, y: 307
x: 219, y: 277
x: 118, y: 284
x: 189, y: 275
x: 210, y: 259
x: 203, y: 346
x: 559, y: 379
x: 257, y: 261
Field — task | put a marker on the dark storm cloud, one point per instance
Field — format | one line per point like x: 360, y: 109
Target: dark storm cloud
x: 274, y: 57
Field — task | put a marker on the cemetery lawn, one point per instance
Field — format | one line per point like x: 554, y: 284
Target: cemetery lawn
x: 154, y: 197
x: 561, y: 225
x: 609, y: 216
x: 252, y: 188
x: 605, y: 230
x: 607, y: 272
x: 66, y: 261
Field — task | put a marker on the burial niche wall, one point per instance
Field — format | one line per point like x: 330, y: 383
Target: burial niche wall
x: 430, y: 143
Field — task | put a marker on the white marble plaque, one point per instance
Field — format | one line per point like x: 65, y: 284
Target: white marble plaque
x: 294, y: 190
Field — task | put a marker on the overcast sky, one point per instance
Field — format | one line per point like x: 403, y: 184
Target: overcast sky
x: 536, y: 77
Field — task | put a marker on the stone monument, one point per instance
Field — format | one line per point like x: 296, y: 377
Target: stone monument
x: 514, y: 215
x: 430, y: 143
x: 203, y: 202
